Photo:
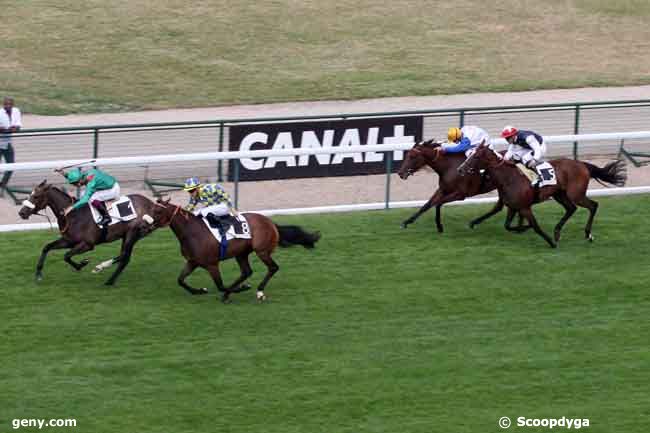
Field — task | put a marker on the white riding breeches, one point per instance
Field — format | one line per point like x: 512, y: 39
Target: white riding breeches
x: 107, y: 194
x: 525, y: 155
x: 216, y: 209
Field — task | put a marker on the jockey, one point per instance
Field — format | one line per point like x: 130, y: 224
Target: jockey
x: 527, y: 147
x: 465, y: 139
x: 100, y: 187
x: 214, y: 199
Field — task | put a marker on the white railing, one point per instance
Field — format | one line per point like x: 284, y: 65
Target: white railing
x: 207, y: 156
x: 359, y: 207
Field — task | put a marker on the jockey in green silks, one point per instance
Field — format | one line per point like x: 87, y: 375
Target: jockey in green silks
x: 100, y: 187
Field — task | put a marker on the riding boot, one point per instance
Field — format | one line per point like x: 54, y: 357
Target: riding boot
x: 101, y: 207
x: 215, y: 223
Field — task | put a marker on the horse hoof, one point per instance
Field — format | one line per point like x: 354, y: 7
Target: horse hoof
x: 590, y: 237
x: 403, y: 225
x: 261, y: 297
x: 225, y: 298
x: 203, y: 290
x: 39, y: 277
x: 472, y: 225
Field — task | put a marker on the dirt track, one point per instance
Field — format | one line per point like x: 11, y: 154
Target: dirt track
x: 343, y: 190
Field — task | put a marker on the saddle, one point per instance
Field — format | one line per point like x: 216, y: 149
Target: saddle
x: 119, y: 210
x: 235, y: 227
x: 543, y: 176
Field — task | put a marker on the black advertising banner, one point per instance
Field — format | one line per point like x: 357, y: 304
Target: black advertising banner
x: 334, y: 133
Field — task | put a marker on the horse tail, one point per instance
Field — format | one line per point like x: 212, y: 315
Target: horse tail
x: 295, y: 235
x: 614, y: 173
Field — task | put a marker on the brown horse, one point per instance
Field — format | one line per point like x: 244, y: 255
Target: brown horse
x: 571, y: 188
x: 451, y: 185
x: 79, y: 232
x: 201, y: 249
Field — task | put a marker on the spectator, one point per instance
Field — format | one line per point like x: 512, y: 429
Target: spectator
x: 10, y: 121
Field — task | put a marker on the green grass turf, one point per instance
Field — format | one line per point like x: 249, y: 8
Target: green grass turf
x: 377, y: 330
x: 101, y: 56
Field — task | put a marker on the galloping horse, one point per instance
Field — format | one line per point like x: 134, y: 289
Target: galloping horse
x: 79, y: 232
x: 571, y: 188
x: 200, y: 248
x: 451, y: 185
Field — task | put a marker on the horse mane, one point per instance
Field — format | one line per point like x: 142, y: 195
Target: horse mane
x: 56, y: 188
x: 432, y: 143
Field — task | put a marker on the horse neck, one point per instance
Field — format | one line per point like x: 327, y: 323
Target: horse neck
x: 181, y: 223
x: 442, y: 164
x: 501, y: 173
x: 57, y: 200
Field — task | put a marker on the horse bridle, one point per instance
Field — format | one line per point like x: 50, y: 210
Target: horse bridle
x: 176, y: 210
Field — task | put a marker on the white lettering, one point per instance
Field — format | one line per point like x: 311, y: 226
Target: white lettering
x: 310, y: 140
x: 399, y: 138
x: 373, y: 135
x: 246, y: 144
x: 283, y: 141
x: 40, y: 423
x: 350, y: 138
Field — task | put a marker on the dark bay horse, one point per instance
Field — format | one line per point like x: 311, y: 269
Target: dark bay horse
x: 78, y: 230
x: 451, y: 185
x: 201, y: 249
x: 572, y: 177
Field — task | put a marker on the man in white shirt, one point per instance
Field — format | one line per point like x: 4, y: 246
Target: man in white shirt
x: 10, y: 121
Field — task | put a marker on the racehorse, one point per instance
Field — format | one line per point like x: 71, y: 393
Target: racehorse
x: 451, y: 185
x: 571, y: 189
x: 80, y: 233
x: 201, y: 249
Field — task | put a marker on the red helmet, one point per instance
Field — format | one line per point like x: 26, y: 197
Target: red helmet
x: 508, y: 131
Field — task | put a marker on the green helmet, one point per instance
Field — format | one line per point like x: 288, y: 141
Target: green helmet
x: 74, y: 176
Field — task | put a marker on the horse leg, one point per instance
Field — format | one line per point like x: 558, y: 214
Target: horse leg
x: 520, y: 227
x: 528, y: 214
x: 495, y: 210
x: 57, y: 244
x: 246, y: 271
x: 435, y: 197
x: 456, y: 195
x: 125, y: 256
x: 110, y: 262
x: 586, y: 202
x: 79, y: 248
x: 272, y: 268
x: 187, y: 270
x: 569, y: 208
x: 216, y: 277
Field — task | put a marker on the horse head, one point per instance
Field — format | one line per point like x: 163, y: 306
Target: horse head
x: 164, y: 212
x: 36, y: 202
x: 482, y: 157
x: 418, y: 156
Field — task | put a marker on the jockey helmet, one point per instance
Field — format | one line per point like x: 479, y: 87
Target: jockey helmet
x: 508, y: 131
x: 454, y: 134
x: 73, y: 176
x: 192, y: 183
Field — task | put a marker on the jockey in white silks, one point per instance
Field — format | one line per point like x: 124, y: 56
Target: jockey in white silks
x: 527, y: 147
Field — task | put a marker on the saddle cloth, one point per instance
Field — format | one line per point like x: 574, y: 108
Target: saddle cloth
x: 119, y: 210
x: 238, y: 229
x: 544, y: 169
